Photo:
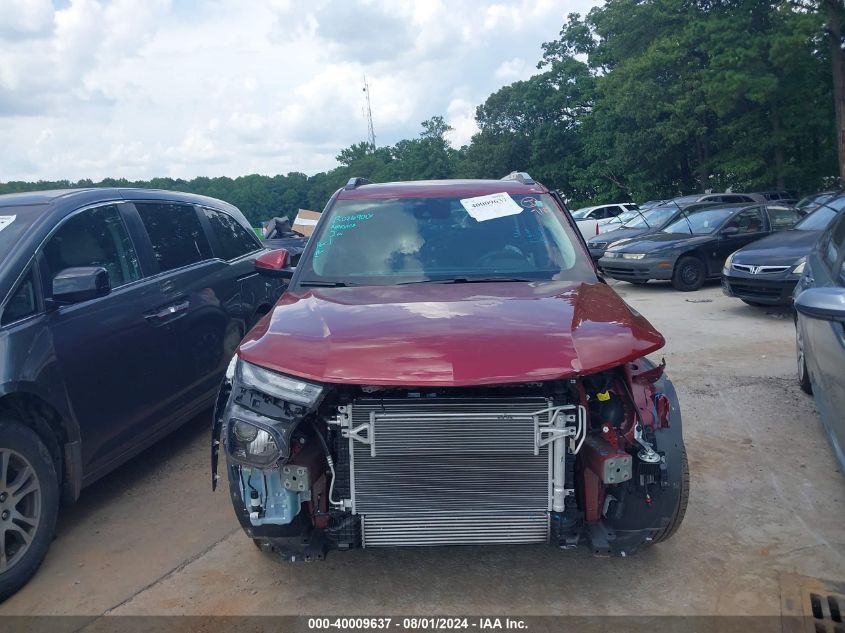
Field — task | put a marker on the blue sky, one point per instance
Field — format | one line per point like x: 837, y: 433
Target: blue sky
x: 142, y: 88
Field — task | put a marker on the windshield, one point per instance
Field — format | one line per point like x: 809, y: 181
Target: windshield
x: 700, y: 222
x: 624, y: 217
x: 14, y: 222
x: 650, y: 204
x: 652, y: 217
x: 402, y: 240
x: 813, y: 201
x: 581, y: 213
x: 821, y: 217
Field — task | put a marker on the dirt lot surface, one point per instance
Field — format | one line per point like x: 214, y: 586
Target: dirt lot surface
x: 767, y: 498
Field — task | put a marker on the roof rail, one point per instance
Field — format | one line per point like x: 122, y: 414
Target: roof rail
x: 520, y: 176
x: 356, y: 182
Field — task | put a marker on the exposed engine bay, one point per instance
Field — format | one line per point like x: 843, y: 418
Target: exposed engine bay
x: 583, y: 460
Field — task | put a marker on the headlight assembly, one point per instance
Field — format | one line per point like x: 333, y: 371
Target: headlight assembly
x: 633, y: 255
x: 285, y: 388
x: 254, y: 443
x: 799, y: 266
x: 728, y: 262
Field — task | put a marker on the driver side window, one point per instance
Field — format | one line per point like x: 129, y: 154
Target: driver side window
x: 95, y: 237
x: 749, y: 221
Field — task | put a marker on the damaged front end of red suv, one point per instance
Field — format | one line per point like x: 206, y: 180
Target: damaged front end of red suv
x: 438, y: 375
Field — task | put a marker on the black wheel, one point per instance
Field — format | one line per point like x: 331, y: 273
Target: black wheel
x: 803, y: 374
x: 756, y: 304
x: 681, y: 509
x: 29, y: 504
x: 688, y: 274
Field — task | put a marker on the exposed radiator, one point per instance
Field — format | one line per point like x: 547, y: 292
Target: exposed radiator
x: 436, y: 471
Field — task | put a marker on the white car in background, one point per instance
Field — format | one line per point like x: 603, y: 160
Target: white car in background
x: 590, y: 219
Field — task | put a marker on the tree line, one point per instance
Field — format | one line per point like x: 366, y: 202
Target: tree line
x: 637, y: 99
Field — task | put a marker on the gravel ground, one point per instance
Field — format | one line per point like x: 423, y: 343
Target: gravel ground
x: 766, y: 498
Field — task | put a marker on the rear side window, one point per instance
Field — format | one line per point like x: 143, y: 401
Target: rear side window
x: 782, y: 218
x: 94, y: 237
x: 175, y: 233
x: 233, y: 240
x: 23, y: 302
x: 749, y: 221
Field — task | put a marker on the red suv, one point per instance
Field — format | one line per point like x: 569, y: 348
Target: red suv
x: 446, y: 368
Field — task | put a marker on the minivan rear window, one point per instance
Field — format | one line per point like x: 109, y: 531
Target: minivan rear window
x: 233, y: 240
x: 175, y: 233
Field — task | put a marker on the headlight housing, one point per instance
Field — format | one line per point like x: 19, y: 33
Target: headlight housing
x: 254, y: 443
x: 728, y: 263
x: 277, y: 385
x: 799, y: 266
x: 633, y: 255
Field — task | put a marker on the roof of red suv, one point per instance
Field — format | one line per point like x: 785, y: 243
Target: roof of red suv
x: 438, y: 188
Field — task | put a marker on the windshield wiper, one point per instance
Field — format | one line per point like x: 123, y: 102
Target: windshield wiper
x: 480, y: 280
x: 326, y: 284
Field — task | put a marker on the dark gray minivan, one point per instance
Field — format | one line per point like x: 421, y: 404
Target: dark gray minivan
x: 119, y: 311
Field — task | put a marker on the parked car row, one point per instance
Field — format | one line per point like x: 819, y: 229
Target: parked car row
x: 599, y: 219
x: 694, y: 246
x: 122, y: 312
x: 765, y: 254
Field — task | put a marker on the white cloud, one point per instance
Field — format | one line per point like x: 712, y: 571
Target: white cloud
x: 122, y: 88
x: 460, y: 115
x: 25, y: 18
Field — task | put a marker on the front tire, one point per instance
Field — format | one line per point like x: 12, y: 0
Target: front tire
x: 689, y: 274
x: 29, y: 504
x: 803, y: 374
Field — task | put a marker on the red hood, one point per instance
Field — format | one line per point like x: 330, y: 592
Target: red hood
x: 449, y: 334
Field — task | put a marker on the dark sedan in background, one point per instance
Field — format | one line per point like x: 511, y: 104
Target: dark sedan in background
x: 120, y: 310
x: 694, y: 247
x: 644, y: 223
x: 766, y: 271
x: 820, y: 332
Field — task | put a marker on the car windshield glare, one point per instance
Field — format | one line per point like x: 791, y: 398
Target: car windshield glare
x: 652, y: 217
x: 403, y: 240
x: 700, y: 222
x: 580, y: 213
x: 817, y: 220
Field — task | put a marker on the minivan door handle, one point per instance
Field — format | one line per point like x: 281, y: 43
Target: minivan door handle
x: 168, y: 313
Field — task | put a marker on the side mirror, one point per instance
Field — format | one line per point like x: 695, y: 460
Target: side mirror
x: 274, y: 263
x: 728, y: 231
x: 822, y: 303
x: 73, y: 285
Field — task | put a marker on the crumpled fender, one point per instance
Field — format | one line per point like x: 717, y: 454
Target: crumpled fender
x: 637, y: 514
x: 217, y: 427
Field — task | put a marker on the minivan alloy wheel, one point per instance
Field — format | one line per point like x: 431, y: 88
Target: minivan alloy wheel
x: 20, y: 507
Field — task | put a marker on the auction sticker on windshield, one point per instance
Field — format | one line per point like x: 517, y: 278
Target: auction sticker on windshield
x: 490, y: 207
x: 6, y: 220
